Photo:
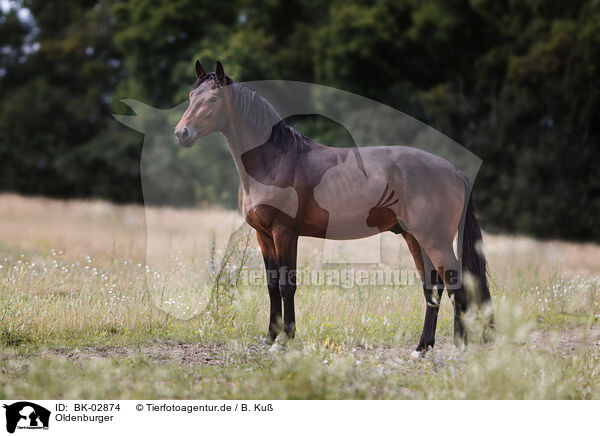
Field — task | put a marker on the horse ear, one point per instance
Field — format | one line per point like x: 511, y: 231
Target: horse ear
x: 200, y: 73
x: 220, y: 73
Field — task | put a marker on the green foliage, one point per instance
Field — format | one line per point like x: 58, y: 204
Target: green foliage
x: 517, y: 83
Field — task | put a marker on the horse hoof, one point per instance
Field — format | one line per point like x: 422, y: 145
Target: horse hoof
x: 267, y: 342
x: 489, y: 335
x: 277, y: 348
x: 415, y: 355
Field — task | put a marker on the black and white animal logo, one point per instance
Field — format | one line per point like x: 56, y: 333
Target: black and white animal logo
x: 26, y: 415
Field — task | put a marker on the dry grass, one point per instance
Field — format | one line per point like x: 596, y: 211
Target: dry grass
x: 103, y: 292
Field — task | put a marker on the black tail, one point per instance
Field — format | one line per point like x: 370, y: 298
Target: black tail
x: 473, y: 261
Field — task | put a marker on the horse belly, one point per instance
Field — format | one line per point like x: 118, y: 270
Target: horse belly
x: 348, y: 197
x: 349, y: 226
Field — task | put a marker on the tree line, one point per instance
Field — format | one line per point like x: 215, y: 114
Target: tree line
x: 515, y: 82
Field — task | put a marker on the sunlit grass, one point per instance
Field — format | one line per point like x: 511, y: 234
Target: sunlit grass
x: 81, y: 317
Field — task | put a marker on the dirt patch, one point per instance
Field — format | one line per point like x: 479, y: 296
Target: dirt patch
x: 158, y: 352
x: 189, y: 353
x: 580, y: 338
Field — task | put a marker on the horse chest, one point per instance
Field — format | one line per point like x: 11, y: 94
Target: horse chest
x: 276, y: 199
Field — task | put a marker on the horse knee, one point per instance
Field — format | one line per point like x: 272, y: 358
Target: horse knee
x: 432, y: 298
x: 433, y: 292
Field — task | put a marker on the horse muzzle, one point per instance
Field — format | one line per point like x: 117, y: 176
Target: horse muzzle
x: 184, y: 136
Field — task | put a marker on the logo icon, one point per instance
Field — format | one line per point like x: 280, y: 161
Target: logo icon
x: 26, y: 415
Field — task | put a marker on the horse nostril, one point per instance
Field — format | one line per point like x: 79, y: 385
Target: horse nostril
x: 182, y: 134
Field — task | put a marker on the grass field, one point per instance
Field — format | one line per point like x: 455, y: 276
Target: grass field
x: 99, y: 301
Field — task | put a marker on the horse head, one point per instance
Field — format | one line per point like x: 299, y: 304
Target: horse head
x: 208, y: 110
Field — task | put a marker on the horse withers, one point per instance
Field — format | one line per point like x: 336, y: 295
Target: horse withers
x: 286, y: 192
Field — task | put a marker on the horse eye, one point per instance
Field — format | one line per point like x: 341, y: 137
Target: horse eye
x: 213, y: 99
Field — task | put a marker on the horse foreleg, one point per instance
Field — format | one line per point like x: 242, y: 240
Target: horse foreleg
x: 267, y: 246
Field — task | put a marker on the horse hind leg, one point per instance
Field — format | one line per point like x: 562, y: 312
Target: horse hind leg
x: 448, y: 268
x: 432, y: 290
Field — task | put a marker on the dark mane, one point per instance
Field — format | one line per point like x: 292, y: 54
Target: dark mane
x: 260, y: 115
x: 286, y: 137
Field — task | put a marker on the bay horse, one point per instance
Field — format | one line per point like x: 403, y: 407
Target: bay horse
x: 284, y: 194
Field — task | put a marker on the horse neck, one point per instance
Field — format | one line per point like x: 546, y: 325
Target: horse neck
x: 241, y: 138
